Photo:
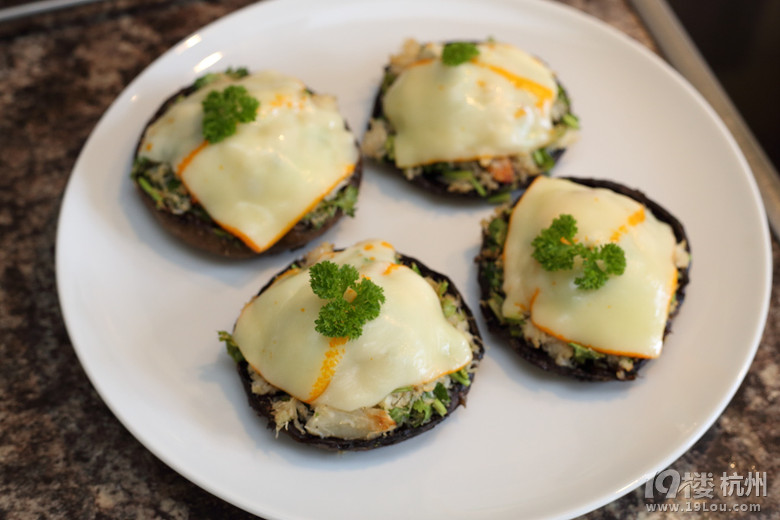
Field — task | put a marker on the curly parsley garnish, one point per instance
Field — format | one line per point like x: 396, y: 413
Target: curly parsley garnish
x: 456, y: 53
x: 351, y: 304
x: 555, y: 249
x: 223, y: 110
x: 211, y: 77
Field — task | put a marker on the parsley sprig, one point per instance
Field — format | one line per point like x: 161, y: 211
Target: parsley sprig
x: 556, y: 250
x: 211, y: 77
x: 457, y: 53
x: 351, y: 304
x: 223, y: 110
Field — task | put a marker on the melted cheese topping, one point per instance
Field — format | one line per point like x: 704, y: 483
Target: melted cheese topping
x: 497, y: 104
x: 627, y: 315
x: 410, y: 343
x: 259, y: 182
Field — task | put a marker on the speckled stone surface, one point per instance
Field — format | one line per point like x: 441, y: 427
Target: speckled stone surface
x: 62, y: 452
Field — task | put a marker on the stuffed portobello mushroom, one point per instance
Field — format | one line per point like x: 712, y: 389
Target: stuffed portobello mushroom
x: 470, y: 119
x: 242, y: 164
x: 583, y: 277
x: 355, y: 349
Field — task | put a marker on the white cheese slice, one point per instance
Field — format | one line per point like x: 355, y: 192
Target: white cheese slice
x: 628, y: 314
x: 495, y: 105
x: 259, y: 182
x: 410, y: 343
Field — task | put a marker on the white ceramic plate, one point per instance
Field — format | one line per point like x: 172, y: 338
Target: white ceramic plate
x: 143, y: 311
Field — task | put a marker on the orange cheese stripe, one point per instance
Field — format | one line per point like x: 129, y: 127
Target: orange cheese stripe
x: 282, y: 101
x: 257, y: 248
x: 328, y: 368
x: 442, y: 374
x: 417, y: 63
x: 186, y: 162
x: 533, y: 299
x: 188, y: 159
x: 635, y: 218
x: 333, y: 357
x: 542, y: 93
x: 391, y: 268
x: 241, y: 236
x: 287, y: 273
x: 619, y: 232
x: 597, y: 349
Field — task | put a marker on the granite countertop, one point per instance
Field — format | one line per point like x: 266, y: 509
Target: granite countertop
x: 63, y: 454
